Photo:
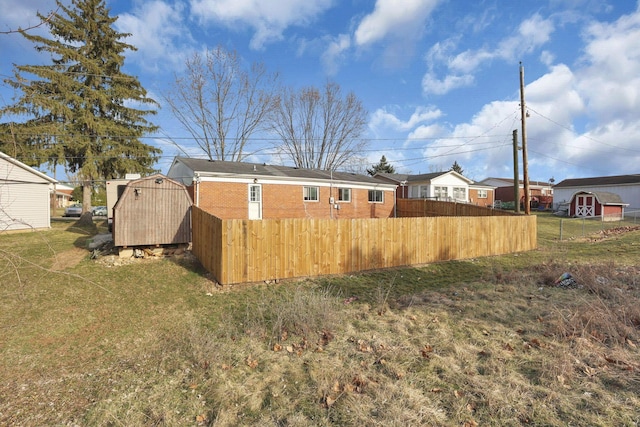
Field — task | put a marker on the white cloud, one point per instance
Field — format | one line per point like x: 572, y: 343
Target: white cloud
x: 335, y: 53
x: 532, y: 33
x: 425, y: 132
x: 483, y: 143
x: 158, y: 32
x: 610, y: 79
x: 391, y: 17
x: 383, y: 118
x: 431, y: 85
x: 469, y: 61
x: 268, y: 18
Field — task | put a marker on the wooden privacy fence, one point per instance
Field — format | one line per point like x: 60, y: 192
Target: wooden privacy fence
x: 425, y: 207
x: 241, y: 251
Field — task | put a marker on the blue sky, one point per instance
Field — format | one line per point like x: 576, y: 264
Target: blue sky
x: 440, y: 79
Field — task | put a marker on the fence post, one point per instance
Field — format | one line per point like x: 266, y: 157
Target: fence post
x: 561, y: 223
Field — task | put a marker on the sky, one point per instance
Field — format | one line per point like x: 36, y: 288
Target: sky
x: 440, y: 79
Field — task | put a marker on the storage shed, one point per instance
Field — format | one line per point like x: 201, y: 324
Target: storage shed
x: 592, y: 204
x: 152, y: 211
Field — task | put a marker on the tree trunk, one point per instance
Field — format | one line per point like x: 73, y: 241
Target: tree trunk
x: 87, y: 216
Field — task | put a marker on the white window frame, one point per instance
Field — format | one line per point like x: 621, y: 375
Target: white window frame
x: 306, y: 194
x: 414, y: 191
x: 342, y: 192
x: 441, y: 192
x: 374, y: 192
x: 424, y: 192
x: 252, y: 194
x: 482, y: 194
x: 457, y: 191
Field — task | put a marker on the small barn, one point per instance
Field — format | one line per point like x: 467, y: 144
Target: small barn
x: 152, y: 211
x: 597, y: 204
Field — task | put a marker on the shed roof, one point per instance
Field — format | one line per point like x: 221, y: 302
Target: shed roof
x: 600, y: 180
x: 264, y: 170
x: 603, y: 197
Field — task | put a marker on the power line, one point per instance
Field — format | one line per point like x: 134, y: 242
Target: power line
x: 581, y: 135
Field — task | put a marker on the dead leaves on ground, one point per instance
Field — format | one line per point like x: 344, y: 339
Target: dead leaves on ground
x: 357, y: 384
x: 251, y: 362
x: 298, y: 348
x: 426, y: 351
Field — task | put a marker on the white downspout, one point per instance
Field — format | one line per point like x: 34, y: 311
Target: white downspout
x: 196, y: 181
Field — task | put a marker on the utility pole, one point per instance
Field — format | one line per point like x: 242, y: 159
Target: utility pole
x: 525, y: 165
x: 516, y: 178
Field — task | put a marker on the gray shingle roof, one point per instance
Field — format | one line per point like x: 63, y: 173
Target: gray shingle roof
x: 398, y: 178
x: 604, y: 197
x: 600, y: 180
x: 508, y: 182
x: 265, y: 170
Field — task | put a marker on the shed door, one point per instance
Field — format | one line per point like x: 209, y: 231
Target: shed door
x: 255, y: 201
x: 585, y: 205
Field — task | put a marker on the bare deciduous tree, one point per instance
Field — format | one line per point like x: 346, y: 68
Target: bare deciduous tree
x: 220, y: 104
x: 320, y: 129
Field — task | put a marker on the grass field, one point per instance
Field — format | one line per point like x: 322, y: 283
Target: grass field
x: 154, y: 342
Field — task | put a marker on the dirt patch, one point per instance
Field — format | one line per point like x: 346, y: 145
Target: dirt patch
x: 68, y: 259
x: 618, y: 230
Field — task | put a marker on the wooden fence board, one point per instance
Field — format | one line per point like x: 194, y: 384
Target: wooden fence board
x: 239, y: 251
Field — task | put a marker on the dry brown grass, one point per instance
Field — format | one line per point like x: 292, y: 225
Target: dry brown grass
x: 155, y: 344
x: 488, y: 353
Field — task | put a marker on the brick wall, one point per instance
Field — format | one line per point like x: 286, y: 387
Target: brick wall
x: 231, y: 201
x: 485, y: 201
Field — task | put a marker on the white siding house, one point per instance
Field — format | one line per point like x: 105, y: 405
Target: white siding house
x: 444, y: 186
x: 24, y: 196
x: 625, y: 186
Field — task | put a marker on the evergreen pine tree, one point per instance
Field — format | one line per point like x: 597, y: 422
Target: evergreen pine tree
x: 456, y: 168
x: 82, y: 111
x: 382, y: 166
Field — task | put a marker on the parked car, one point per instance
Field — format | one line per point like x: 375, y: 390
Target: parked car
x: 99, y: 211
x: 73, y: 210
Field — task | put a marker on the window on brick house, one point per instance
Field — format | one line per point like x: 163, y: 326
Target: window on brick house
x: 254, y: 193
x: 376, y: 196
x: 344, y: 194
x: 310, y: 194
x: 482, y: 194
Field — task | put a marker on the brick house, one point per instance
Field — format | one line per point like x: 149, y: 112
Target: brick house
x: 444, y: 186
x: 540, y: 192
x: 238, y: 190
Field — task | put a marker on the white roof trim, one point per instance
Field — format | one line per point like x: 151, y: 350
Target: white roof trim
x: 244, y: 179
x: 27, y: 168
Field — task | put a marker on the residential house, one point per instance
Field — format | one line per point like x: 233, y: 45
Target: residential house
x: 63, y: 195
x: 444, y: 186
x: 238, y: 190
x: 625, y: 186
x: 24, y: 196
x: 540, y: 192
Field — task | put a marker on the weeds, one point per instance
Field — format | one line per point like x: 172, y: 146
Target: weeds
x: 475, y: 342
